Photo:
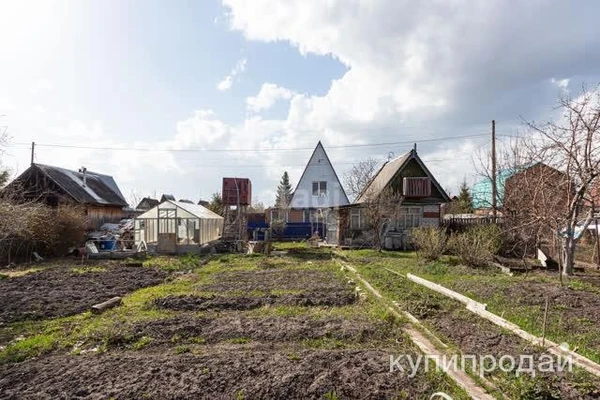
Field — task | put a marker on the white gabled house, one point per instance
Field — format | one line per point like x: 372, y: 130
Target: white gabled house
x: 318, y: 189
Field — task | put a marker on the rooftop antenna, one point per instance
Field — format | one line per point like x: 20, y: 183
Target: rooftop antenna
x: 390, y: 155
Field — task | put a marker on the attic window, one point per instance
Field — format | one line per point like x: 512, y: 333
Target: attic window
x: 319, y: 188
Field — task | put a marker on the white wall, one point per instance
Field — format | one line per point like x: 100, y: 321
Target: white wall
x: 318, y: 169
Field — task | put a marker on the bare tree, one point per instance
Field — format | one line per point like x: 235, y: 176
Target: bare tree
x: 572, y: 145
x: 379, y: 212
x: 552, y: 172
x: 257, y: 207
x: 4, y: 172
x: 134, y: 198
x: 360, y: 176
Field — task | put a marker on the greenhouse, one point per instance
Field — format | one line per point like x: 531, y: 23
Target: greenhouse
x: 176, y: 227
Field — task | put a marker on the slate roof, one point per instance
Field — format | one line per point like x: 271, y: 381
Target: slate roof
x: 388, y: 171
x: 149, y: 201
x: 383, y: 177
x: 99, y: 188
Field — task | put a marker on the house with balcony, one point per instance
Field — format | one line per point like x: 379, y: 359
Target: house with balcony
x: 420, y: 197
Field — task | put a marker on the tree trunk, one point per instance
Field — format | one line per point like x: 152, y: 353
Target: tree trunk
x: 568, y: 256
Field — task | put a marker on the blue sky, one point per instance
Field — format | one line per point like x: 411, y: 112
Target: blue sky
x: 145, y: 74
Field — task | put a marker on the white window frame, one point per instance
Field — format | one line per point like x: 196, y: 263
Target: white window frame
x: 321, y: 188
x: 409, y: 217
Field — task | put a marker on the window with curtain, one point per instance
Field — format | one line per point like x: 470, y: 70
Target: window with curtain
x: 319, y: 188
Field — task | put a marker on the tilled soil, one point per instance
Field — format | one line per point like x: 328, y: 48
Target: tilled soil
x: 56, y: 292
x: 307, y: 299
x: 288, y: 279
x: 475, y: 336
x: 269, y: 329
x: 570, y: 307
x: 311, y: 374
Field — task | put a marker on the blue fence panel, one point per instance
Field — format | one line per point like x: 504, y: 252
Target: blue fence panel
x: 292, y: 231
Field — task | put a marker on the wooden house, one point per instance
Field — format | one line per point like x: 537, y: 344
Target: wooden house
x: 98, y: 194
x: 421, y: 197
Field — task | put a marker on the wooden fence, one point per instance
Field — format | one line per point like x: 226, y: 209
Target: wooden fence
x: 455, y: 224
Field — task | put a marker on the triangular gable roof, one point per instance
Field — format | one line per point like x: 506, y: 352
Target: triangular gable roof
x: 390, y: 170
x: 99, y: 188
x: 195, y: 210
x: 309, y: 164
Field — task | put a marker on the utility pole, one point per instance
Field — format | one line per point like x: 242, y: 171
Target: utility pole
x: 494, y: 186
x: 32, y: 151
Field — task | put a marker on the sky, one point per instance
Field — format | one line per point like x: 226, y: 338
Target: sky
x: 170, y: 97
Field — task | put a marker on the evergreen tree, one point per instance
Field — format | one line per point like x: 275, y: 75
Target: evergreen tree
x: 284, y: 192
x: 216, y: 204
x: 465, y: 199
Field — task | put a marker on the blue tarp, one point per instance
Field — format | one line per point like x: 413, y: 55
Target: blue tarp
x: 293, y: 230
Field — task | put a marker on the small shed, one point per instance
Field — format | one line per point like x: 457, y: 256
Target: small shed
x: 177, y: 227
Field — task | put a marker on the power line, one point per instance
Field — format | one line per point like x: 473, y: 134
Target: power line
x: 251, y: 150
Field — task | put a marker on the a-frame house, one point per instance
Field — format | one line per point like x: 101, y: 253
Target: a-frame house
x: 318, y: 189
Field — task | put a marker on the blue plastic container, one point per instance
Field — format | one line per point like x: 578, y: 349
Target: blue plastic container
x: 107, y: 245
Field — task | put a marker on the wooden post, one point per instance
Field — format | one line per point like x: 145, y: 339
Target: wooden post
x: 494, y: 187
x: 32, y: 152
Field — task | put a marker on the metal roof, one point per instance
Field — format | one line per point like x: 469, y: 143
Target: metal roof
x: 98, y: 189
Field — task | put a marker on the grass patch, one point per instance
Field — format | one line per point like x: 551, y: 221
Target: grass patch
x: 142, y: 342
x: 33, y: 346
x: 239, y: 340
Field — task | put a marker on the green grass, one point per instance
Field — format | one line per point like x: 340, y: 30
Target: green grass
x: 142, y: 342
x: 419, y: 301
x: 239, y: 340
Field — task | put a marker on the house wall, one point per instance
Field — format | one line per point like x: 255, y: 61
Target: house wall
x: 406, y: 217
x: 98, y: 215
x: 318, y: 169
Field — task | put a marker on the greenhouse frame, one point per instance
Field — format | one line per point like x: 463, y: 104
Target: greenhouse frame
x: 177, y: 227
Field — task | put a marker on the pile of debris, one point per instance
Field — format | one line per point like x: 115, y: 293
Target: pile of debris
x: 114, y: 236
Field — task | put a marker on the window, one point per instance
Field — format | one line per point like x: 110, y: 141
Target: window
x: 355, y: 219
x: 319, y: 188
x: 408, y: 217
x: 306, y: 216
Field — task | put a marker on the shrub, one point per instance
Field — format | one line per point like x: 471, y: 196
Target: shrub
x: 477, y: 245
x: 430, y: 242
x: 28, y: 227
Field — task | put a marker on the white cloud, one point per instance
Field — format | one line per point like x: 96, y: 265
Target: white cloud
x: 225, y: 84
x: 443, y: 69
x: 41, y: 85
x: 268, y: 95
x: 227, y: 81
x: 561, y: 83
